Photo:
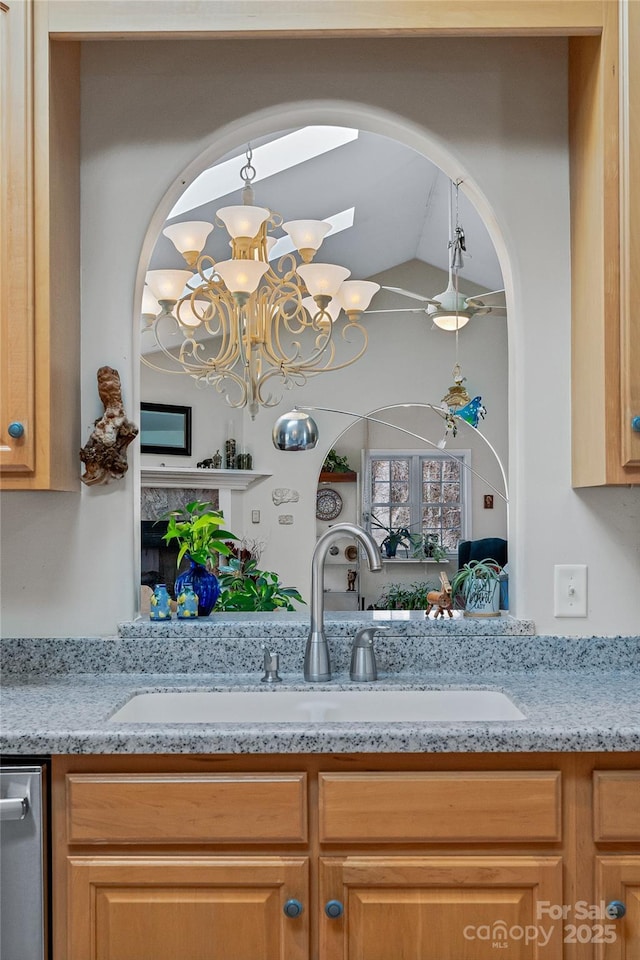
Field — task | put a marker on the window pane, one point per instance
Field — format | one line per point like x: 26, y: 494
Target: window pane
x: 381, y: 514
x: 451, y: 492
x: 451, y: 517
x: 400, y: 517
x: 431, y: 469
x: 450, y: 539
x: 450, y: 470
x: 431, y: 518
x: 380, y: 469
x: 399, y: 469
x: 380, y: 492
x: 431, y: 492
x: 399, y: 492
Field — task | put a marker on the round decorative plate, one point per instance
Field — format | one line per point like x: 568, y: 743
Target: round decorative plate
x: 328, y: 504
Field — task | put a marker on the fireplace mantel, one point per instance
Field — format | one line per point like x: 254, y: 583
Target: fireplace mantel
x: 200, y: 478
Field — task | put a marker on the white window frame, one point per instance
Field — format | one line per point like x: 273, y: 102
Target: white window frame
x: 415, y: 482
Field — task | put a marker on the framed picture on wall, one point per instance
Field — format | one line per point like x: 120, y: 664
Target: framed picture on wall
x: 165, y: 428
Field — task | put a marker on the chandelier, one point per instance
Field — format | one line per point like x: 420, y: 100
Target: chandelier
x: 245, y: 324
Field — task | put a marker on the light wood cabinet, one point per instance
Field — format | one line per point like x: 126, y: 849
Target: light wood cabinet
x: 616, y: 835
x: 433, y: 857
x: 618, y: 879
x: 39, y: 253
x: 438, y: 908
x: 204, y: 908
x: 39, y: 327
x: 604, y: 132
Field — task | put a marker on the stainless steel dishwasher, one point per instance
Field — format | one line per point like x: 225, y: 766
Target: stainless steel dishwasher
x: 23, y: 862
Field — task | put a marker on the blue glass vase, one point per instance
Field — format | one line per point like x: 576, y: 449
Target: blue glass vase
x: 203, y: 583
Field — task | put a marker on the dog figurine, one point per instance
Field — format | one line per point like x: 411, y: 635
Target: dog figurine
x: 440, y: 600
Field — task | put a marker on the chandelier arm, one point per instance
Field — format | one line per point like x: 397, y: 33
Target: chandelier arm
x: 228, y: 351
x: 328, y: 367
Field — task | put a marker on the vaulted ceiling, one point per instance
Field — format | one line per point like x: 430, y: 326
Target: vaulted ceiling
x: 400, y: 201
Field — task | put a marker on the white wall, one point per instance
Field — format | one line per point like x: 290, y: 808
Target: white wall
x: 149, y: 110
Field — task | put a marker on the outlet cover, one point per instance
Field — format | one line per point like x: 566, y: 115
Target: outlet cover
x: 570, y: 590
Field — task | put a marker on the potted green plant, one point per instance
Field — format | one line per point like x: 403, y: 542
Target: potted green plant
x: 405, y: 596
x: 478, y: 584
x: 197, y: 528
x: 335, y: 463
x: 246, y: 588
x: 427, y: 546
x: 396, y: 537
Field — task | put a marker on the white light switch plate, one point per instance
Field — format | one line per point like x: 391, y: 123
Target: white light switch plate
x: 570, y: 590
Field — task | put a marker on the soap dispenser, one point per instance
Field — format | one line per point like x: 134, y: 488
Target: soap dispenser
x: 363, y: 656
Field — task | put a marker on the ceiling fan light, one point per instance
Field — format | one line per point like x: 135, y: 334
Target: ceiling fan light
x: 450, y: 321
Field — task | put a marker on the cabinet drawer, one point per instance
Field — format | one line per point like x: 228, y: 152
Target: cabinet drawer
x: 616, y: 805
x: 204, y: 808
x: 473, y: 807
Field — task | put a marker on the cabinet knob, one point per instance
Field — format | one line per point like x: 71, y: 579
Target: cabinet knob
x: 333, y: 909
x: 615, y: 910
x: 16, y: 430
x: 292, y: 908
x: 635, y: 424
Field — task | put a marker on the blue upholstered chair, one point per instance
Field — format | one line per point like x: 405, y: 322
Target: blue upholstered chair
x: 489, y: 548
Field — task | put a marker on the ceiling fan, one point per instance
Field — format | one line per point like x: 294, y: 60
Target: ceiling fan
x: 450, y: 310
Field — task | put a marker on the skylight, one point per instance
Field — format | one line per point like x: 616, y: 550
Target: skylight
x: 268, y: 159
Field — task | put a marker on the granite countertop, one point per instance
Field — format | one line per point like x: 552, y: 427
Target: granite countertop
x: 577, y: 694
x: 564, y: 710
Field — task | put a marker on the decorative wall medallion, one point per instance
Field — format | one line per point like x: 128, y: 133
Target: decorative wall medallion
x: 328, y: 504
x: 284, y: 495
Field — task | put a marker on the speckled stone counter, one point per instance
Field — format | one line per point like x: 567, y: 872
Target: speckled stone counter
x: 577, y: 694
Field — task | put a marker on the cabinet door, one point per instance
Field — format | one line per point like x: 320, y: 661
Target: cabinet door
x: 630, y: 231
x: 203, y: 908
x: 17, y: 453
x: 440, y: 908
x: 618, y: 878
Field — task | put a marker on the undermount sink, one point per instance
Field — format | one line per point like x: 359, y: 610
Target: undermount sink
x: 317, y: 706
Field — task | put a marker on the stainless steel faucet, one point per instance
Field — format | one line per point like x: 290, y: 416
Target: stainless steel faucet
x: 317, y: 663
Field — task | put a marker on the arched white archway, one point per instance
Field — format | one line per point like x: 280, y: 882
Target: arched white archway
x: 377, y: 121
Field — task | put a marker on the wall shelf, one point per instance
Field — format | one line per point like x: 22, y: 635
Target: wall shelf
x: 412, y: 560
x: 333, y: 477
x: 200, y: 478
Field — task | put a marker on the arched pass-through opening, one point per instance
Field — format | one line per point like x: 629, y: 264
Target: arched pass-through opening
x: 366, y: 118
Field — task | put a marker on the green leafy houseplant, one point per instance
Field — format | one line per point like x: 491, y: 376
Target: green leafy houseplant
x: 477, y: 583
x: 427, y: 546
x: 334, y: 463
x: 244, y: 587
x: 396, y: 537
x: 197, y: 529
x: 405, y: 596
